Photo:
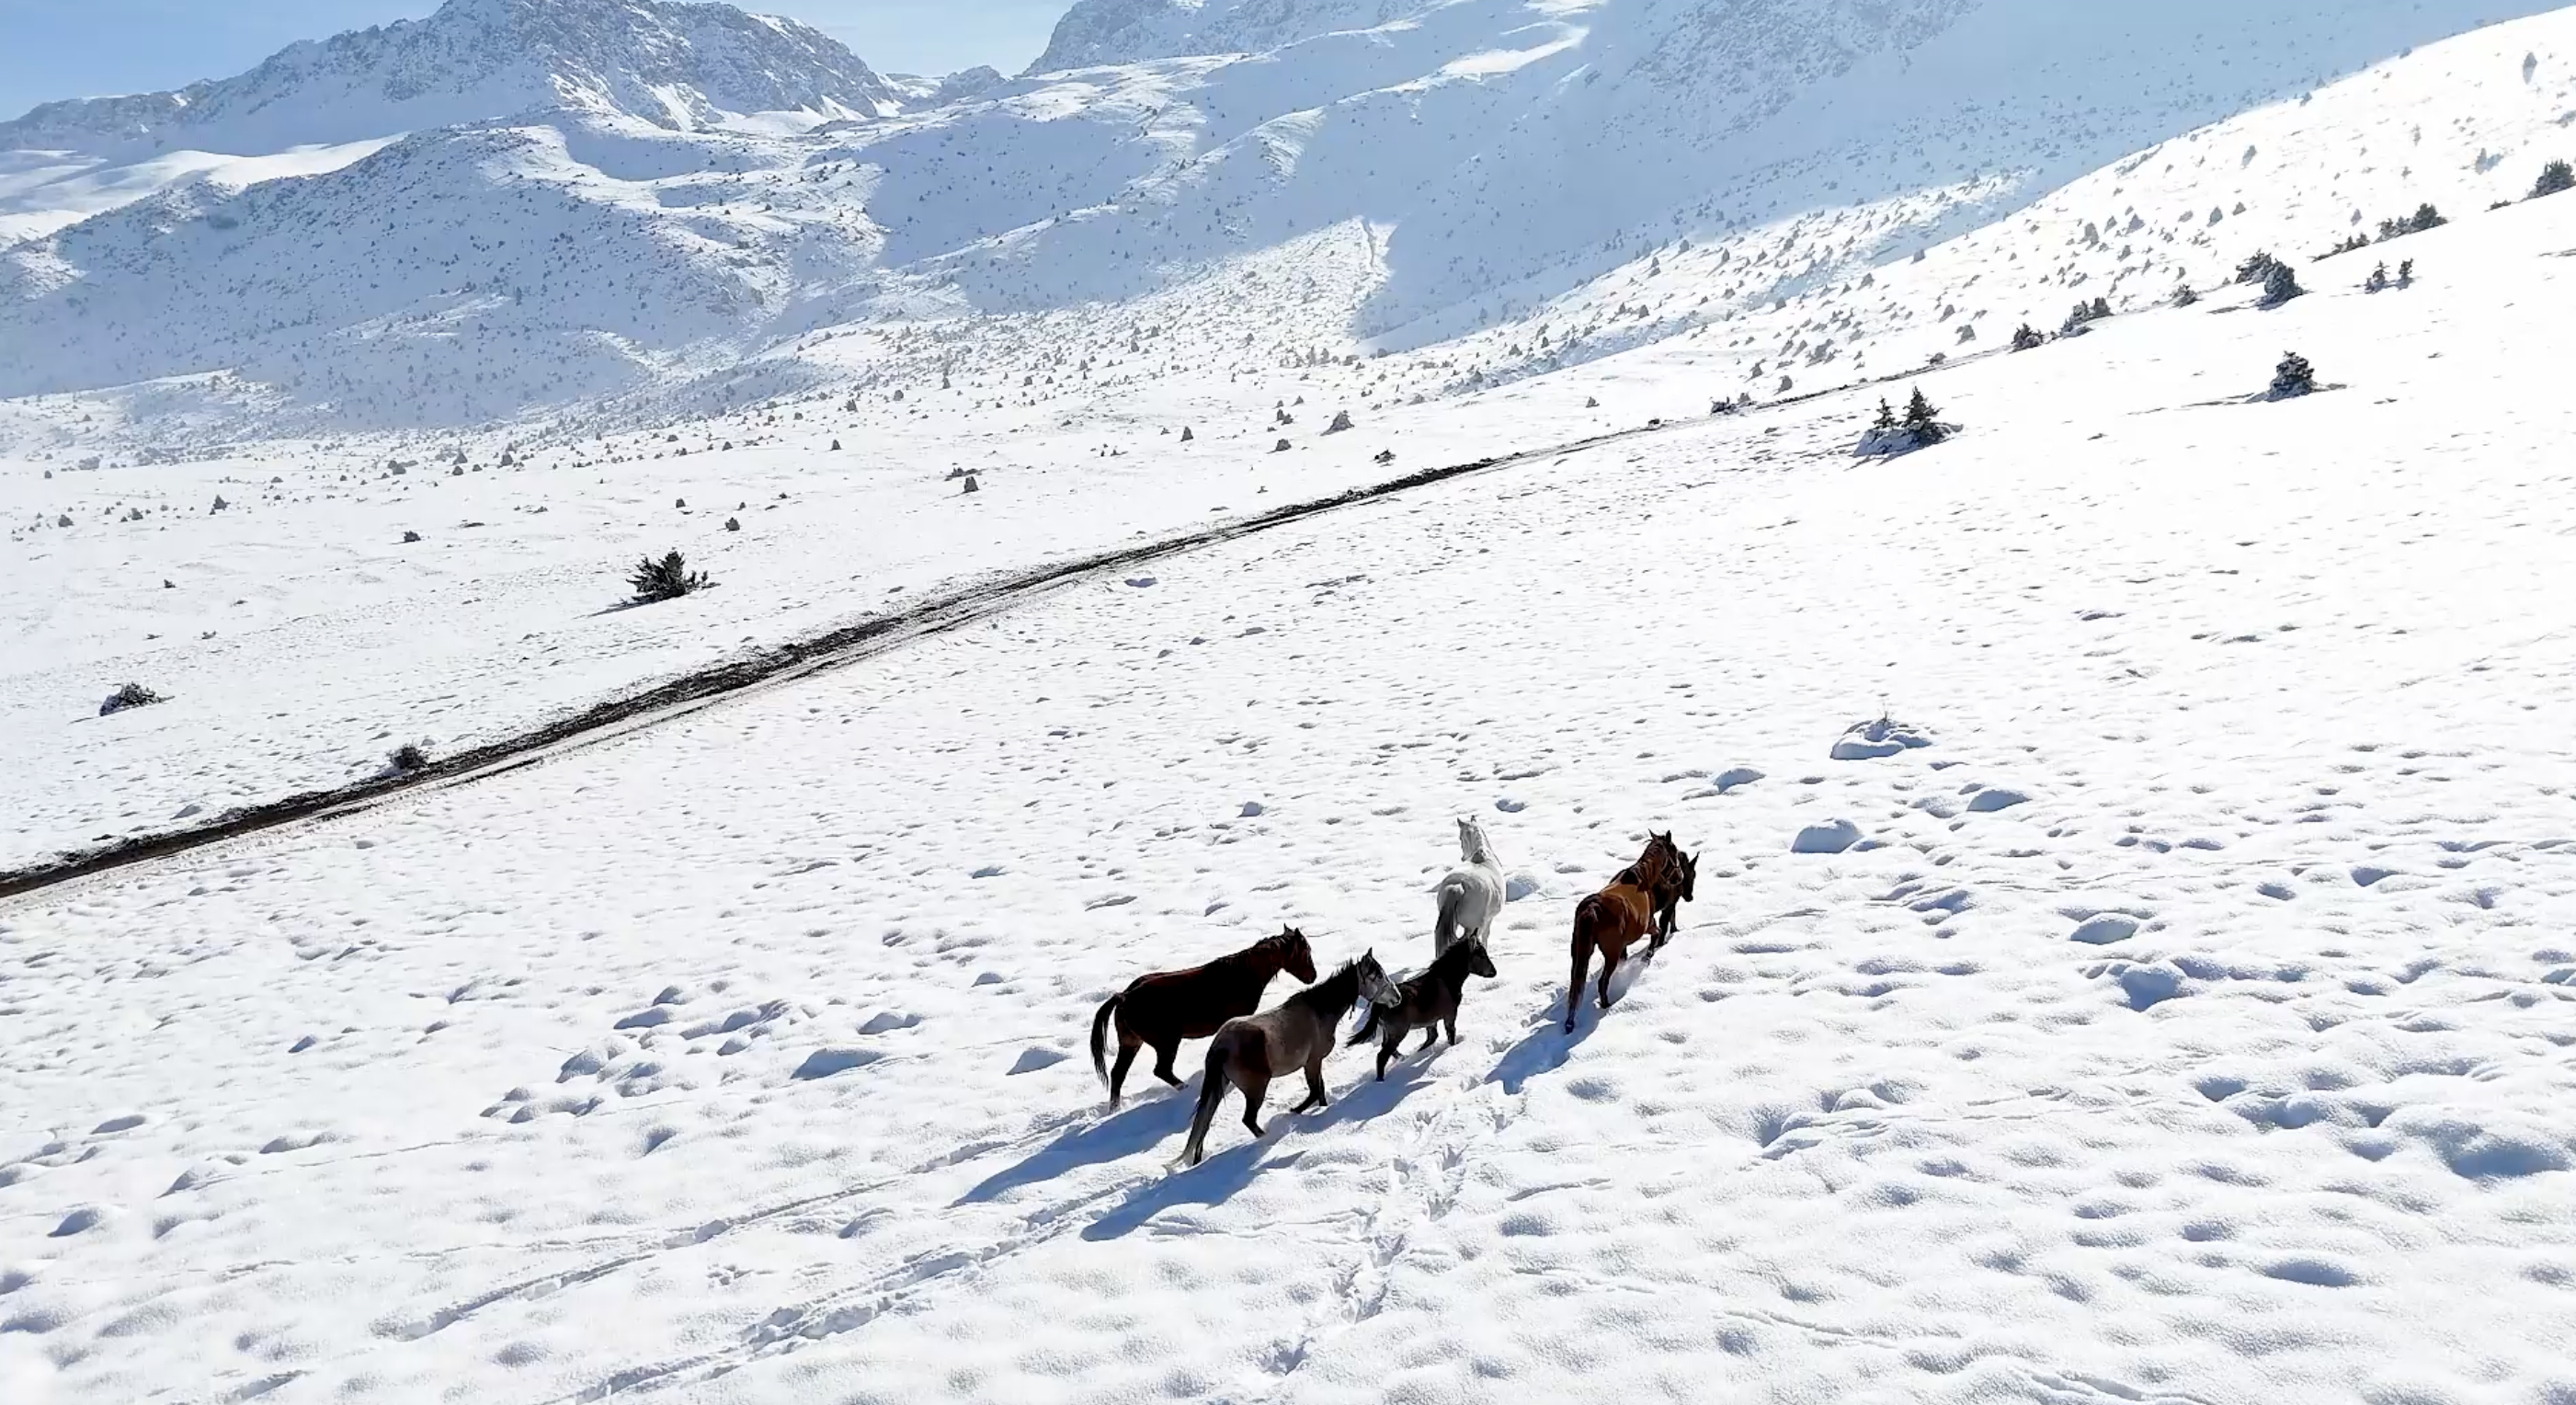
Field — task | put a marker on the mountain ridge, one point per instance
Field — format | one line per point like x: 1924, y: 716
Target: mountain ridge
x: 669, y: 62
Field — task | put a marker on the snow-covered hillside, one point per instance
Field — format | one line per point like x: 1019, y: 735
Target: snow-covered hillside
x: 1490, y: 157
x: 2185, y: 1021
x: 299, y: 632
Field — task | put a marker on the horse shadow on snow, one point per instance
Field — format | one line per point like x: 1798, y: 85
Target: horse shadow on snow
x: 1151, y: 1124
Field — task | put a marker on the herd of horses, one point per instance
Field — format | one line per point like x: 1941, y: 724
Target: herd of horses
x: 1247, y: 1050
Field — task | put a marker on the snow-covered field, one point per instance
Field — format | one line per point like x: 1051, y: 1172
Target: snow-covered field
x: 300, y: 639
x: 2187, y: 1023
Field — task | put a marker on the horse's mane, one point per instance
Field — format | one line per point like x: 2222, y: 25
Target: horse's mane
x: 1483, y: 851
x: 1342, y: 985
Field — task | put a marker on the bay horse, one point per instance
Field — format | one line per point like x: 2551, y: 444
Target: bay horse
x: 1427, y: 1002
x: 1251, y: 1051
x: 1614, y: 918
x: 1471, y: 897
x: 1163, y: 1008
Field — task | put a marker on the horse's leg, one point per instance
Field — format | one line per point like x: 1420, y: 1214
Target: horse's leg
x: 1118, y: 1071
x: 1431, y: 1032
x: 1256, y: 1087
x: 1574, y: 988
x: 1314, y: 1085
x: 1386, y: 1053
x: 1452, y: 1023
x: 1612, y: 953
x: 1164, y: 1053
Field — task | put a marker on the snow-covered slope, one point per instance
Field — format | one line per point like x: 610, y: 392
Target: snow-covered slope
x: 299, y: 625
x: 2186, y: 1023
x: 1491, y: 157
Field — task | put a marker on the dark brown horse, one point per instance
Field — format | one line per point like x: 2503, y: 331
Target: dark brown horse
x: 1427, y: 1002
x: 1251, y: 1051
x: 1612, y: 920
x: 1166, y: 1007
x: 1680, y: 884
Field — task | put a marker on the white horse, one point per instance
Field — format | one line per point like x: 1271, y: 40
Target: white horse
x: 1471, y: 897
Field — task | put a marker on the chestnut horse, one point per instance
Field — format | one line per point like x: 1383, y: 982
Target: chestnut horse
x: 1166, y: 1007
x: 1614, y: 918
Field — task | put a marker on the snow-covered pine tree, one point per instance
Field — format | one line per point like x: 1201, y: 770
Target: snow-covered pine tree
x: 666, y: 579
x: 1923, y: 422
x: 2294, y: 377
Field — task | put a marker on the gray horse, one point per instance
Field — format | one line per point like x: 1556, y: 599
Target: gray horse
x: 1250, y: 1050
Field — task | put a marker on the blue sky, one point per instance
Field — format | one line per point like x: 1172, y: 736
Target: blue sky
x: 80, y: 48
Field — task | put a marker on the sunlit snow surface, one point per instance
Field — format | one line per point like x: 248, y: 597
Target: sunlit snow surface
x: 496, y: 1091
x: 2184, y: 1019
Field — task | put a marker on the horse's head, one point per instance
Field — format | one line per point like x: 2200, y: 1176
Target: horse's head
x: 1661, y: 858
x: 1375, y: 988
x: 1295, y: 957
x: 1690, y: 877
x: 1478, y: 962
x: 1473, y: 845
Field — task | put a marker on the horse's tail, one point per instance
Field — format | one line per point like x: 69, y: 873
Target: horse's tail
x: 1587, y: 916
x: 1368, y: 1028
x: 1212, y: 1086
x: 1100, y: 1036
x: 1444, y: 929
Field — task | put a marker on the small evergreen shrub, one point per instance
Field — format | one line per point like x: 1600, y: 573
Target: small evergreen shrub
x: 2026, y: 338
x: 2293, y: 378
x: 2554, y: 177
x: 2185, y: 295
x: 2424, y: 218
x: 2257, y: 269
x: 131, y: 695
x: 666, y: 579
x: 2084, y: 313
x: 408, y: 758
x: 2279, y: 286
x: 1920, y: 427
x: 2378, y: 280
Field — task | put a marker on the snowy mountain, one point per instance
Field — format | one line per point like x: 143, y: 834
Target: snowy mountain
x: 676, y: 65
x: 317, y: 106
x: 1486, y: 164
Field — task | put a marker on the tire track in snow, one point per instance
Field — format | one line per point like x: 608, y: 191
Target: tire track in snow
x: 784, y: 663
x: 694, y: 692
